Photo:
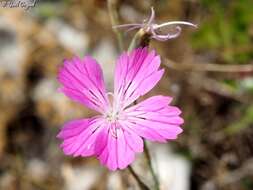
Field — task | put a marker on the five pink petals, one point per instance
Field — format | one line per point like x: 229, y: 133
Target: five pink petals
x: 117, y: 132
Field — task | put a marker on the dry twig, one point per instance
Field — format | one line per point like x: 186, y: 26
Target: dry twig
x: 210, y: 67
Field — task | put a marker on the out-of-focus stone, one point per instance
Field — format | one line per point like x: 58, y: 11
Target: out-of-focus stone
x: 114, y: 181
x: 105, y: 53
x: 11, y: 52
x: 69, y: 37
x: 173, y: 170
x: 80, y: 177
x: 11, y: 78
x: 53, y: 105
x: 7, y: 181
x: 130, y: 14
x: 37, y: 169
x: 12, y: 57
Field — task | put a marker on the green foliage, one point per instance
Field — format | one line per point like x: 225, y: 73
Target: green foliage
x: 47, y: 10
x: 247, y: 183
x: 247, y: 85
x: 226, y: 29
x: 244, y: 86
x: 245, y: 121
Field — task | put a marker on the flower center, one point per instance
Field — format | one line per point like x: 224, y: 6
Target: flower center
x: 112, y: 116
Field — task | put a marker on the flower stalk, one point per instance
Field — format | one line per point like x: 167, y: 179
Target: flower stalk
x: 141, y: 184
x: 140, y: 39
x: 148, y: 157
x: 112, y: 6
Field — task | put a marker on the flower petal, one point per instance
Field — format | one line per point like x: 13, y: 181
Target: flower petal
x: 120, y: 149
x: 136, y: 74
x: 82, y: 81
x: 81, y: 137
x: 154, y: 119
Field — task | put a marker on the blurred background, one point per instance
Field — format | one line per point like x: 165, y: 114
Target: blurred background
x: 209, y: 73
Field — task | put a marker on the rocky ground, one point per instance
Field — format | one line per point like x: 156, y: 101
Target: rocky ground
x: 214, y: 152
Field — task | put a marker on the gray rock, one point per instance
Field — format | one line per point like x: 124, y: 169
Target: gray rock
x: 105, y: 53
x: 80, y: 177
x: 69, y: 37
x: 11, y: 52
x: 174, y: 170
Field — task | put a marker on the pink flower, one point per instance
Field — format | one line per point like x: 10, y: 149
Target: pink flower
x: 116, y: 134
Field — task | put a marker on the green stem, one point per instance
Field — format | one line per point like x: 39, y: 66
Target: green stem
x: 142, y: 185
x: 140, y: 39
x: 148, y: 157
x: 114, y: 16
